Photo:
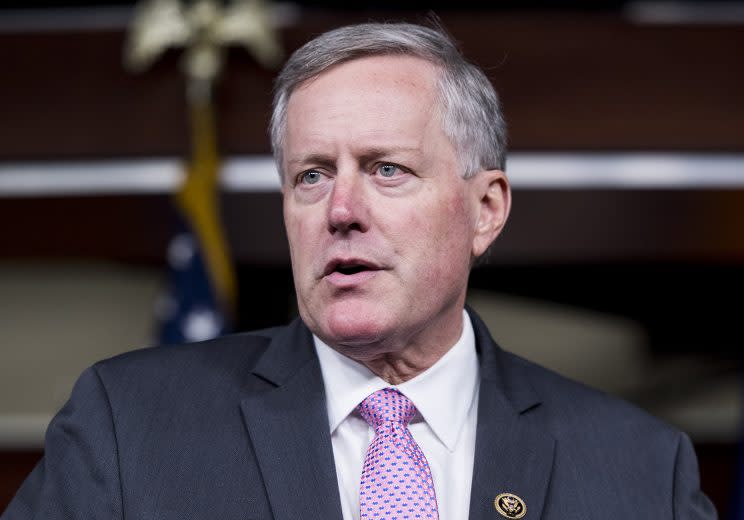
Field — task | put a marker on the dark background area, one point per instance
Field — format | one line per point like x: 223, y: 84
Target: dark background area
x: 358, y: 5
x: 574, y: 77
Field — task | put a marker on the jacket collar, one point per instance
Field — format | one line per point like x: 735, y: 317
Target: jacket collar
x: 513, y: 452
x: 285, y: 414
x: 287, y: 422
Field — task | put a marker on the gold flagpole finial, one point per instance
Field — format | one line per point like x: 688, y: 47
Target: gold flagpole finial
x: 203, y: 28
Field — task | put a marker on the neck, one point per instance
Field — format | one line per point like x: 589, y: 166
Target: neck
x: 399, y: 369
x: 397, y: 364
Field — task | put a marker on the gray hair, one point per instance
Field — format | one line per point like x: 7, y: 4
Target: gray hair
x: 470, y: 110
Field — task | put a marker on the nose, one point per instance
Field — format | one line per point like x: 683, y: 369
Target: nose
x: 347, y: 210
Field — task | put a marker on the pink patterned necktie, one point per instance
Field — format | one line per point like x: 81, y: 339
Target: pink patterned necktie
x: 396, y: 479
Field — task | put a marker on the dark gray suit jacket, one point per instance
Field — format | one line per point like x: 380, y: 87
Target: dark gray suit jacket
x: 237, y: 428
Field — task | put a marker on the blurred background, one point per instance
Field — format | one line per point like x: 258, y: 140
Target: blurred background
x: 622, y: 264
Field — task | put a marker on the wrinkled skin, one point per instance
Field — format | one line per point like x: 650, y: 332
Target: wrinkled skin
x: 382, y: 227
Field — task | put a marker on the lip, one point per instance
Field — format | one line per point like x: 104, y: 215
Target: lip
x: 348, y: 281
x: 333, y: 264
x: 341, y: 280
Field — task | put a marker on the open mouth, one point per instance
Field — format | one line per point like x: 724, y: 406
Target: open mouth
x: 351, y: 269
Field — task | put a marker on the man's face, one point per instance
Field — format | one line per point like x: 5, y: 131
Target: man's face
x: 381, y: 225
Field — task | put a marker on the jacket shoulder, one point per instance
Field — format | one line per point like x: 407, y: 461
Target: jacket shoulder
x: 223, y: 361
x: 252, y: 342
x: 605, y: 444
x: 573, y: 408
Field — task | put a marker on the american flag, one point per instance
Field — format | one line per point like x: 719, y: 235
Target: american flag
x: 200, y: 301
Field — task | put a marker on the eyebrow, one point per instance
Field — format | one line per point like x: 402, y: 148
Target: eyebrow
x: 313, y: 158
x: 373, y: 153
x: 367, y: 155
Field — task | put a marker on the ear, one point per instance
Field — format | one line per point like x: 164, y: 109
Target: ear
x: 494, y: 195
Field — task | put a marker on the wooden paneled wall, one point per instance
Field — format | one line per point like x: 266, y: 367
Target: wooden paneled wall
x: 570, y: 82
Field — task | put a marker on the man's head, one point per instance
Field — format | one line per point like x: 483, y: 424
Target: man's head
x: 385, y: 204
x: 467, y: 103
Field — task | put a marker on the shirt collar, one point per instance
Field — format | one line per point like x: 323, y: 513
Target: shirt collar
x: 443, y: 394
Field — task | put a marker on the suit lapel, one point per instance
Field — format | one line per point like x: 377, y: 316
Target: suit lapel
x: 287, y: 422
x: 513, y: 452
x: 288, y: 425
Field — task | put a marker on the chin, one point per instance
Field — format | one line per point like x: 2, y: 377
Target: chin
x: 353, y: 327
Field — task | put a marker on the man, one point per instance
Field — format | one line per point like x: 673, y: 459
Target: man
x: 387, y: 399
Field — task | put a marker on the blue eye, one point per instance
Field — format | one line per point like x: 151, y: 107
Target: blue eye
x: 310, y: 177
x: 387, y: 170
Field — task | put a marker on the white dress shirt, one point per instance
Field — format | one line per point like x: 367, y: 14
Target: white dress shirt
x: 446, y: 397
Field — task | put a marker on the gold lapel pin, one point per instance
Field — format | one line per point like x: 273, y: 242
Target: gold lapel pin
x: 510, y: 505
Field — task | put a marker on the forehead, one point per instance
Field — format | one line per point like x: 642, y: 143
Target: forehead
x: 399, y: 72
x: 365, y: 97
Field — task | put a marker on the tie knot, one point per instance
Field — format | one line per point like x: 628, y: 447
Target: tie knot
x: 386, y: 405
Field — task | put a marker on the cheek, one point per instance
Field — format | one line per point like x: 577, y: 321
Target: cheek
x: 295, y: 232
x: 296, y: 223
x: 440, y: 235
x: 307, y: 239
x: 452, y: 225
x: 297, y: 235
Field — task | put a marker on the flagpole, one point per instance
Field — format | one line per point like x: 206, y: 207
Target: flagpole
x: 198, y: 196
x: 202, y: 300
